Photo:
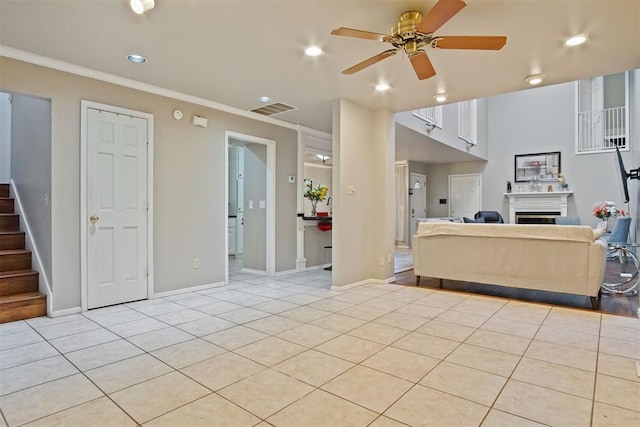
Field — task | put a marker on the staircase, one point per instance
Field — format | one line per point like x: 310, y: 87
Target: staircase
x: 19, y: 296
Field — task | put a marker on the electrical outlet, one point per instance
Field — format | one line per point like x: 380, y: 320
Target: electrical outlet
x: 196, y: 263
x: 381, y: 260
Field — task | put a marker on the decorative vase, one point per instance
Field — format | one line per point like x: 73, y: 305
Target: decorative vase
x: 603, y: 223
x: 314, y: 205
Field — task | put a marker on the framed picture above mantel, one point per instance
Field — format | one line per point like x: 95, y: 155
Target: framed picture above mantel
x: 544, y: 166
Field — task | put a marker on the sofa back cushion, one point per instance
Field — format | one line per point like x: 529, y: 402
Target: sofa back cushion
x: 539, y: 232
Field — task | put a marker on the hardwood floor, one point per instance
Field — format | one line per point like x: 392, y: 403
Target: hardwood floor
x: 613, y: 304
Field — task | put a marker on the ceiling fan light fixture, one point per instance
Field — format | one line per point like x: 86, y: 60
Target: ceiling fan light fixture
x: 136, y: 59
x: 323, y: 157
x: 381, y: 87
x: 534, y: 79
x: 142, y: 6
x: 576, y: 40
x: 440, y: 97
x: 313, y: 51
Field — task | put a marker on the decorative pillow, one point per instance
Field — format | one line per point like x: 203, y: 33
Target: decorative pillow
x: 469, y: 220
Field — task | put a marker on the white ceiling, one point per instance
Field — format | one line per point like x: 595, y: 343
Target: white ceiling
x: 232, y: 51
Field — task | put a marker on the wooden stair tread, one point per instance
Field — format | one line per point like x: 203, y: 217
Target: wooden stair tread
x: 25, y: 296
x: 14, y: 251
x: 17, y: 273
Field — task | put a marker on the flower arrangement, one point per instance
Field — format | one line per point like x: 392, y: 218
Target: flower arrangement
x: 605, y: 210
x: 315, y: 195
x: 318, y: 193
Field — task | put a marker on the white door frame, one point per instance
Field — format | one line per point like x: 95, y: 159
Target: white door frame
x: 84, y: 269
x: 271, y: 198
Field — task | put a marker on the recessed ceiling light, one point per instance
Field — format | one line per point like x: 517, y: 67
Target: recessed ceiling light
x: 576, y: 40
x: 381, y: 87
x: 142, y: 6
x: 535, y: 79
x: 138, y: 59
x: 264, y: 99
x: 440, y: 97
x: 313, y: 51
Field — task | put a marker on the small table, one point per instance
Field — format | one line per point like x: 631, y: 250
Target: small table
x: 623, y: 269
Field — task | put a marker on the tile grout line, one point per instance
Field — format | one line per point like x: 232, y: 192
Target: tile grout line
x: 342, y: 312
x: 509, y: 378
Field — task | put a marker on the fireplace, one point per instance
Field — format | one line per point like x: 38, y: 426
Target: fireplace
x: 536, y: 217
x: 538, y: 203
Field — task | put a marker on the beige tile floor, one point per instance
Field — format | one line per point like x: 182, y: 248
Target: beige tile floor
x: 288, y: 351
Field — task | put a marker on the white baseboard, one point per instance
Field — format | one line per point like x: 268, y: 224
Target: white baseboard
x: 301, y: 270
x: 352, y: 285
x: 185, y: 290
x: 363, y: 282
x: 66, y: 312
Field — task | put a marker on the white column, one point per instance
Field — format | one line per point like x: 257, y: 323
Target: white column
x: 301, y: 261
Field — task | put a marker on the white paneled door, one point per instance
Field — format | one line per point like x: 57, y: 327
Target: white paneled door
x: 116, y: 208
x: 417, y: 199
x: 465, y: 195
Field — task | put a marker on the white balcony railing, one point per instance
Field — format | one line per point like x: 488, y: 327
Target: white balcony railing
x: 602, y: 130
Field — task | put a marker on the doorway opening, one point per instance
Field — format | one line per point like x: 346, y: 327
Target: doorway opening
x: 250, y: 196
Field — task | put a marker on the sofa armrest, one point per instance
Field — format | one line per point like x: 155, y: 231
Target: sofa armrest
x: 597, y: 265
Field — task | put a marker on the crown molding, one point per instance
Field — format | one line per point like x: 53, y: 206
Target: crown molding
x: 66, y: 67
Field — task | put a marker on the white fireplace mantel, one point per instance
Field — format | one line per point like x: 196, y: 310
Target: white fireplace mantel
x: 552, y: 201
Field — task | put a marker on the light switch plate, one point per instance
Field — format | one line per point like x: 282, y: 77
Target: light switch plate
x: 263, y: 204
x: 250, y: 204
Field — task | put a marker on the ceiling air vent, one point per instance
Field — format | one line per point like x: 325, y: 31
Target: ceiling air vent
x: 275, y: 108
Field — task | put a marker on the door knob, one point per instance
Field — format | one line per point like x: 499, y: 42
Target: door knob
x: 93, y: 219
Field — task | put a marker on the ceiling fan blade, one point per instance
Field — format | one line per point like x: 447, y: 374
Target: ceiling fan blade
x: 364, y: 64
x: 360, y: 34
x: 422, y: 65
x: 470, y: 42
x: 439, y: 14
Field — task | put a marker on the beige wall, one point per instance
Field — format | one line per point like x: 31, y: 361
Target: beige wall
x: 189, y: 193
x: 364, y: 151
x: 30, y: 172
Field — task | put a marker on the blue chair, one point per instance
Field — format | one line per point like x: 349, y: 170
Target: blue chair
x: 567, y: 220
x: 620, y: 232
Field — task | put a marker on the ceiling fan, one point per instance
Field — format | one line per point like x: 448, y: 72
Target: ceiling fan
x: 412, y: 32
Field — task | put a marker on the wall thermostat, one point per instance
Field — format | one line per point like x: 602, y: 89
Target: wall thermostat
x: 177, y: 114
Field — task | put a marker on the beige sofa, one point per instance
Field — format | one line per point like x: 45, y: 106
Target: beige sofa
x: 556, y: 258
